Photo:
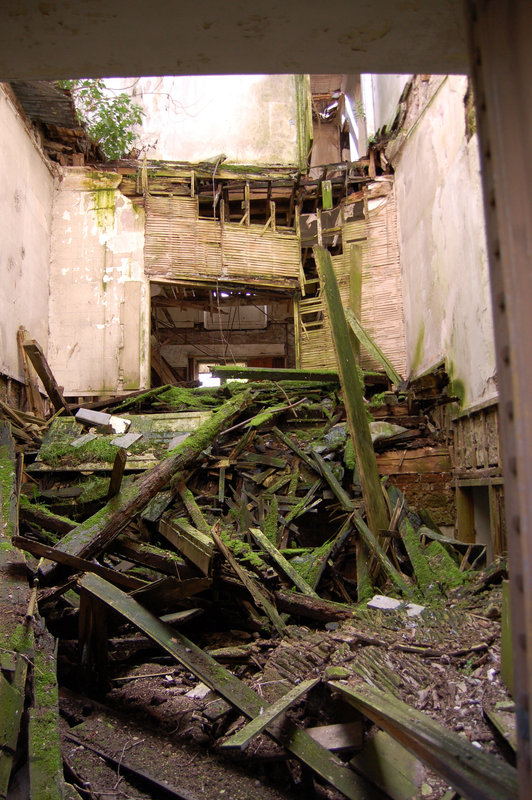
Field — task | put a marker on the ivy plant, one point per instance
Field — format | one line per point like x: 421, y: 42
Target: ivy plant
x: 108, y: 117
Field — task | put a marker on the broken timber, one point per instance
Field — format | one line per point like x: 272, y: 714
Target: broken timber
x: 242, y: 738
x: 34, y: 352
x: 280, y: 374
x: 220, y: 680
x: 99, y: 530
x: 258, y: 593
x: 475, y: 774
x: 353, y: 398
x: 281, y: 563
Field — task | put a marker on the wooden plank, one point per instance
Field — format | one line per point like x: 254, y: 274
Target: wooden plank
x: 339, y: 736
x: 282, y: 564
x: 465, y: 515
x: 258, y: 594
x: 34, y: 396
x: 475, y: 774
x: 353, y: 398
x: 117, y: 473
x: 198, y: 547
x: 388, y: 764
x: 224, y: 683
x: 376, y: 550
x: 302, y: 605
x: 44, y: 742
x: 35, y: 353
x: 371, y: 346
x: 79, y: 564
x: 95, y: 533
x: 241, y: 739
x: 420, y: 460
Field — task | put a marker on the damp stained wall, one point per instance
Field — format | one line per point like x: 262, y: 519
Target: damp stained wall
x: 26, y: 190
x: 99, y: 304
x: 251, y: 119
x: 446, y: 291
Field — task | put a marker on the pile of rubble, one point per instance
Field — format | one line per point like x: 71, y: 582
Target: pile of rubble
x: 204, y: 559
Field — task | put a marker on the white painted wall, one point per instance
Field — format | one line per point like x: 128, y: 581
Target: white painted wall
x: 99, y: 305
x: 446, y: 290
x: 25, y: 221
x: 380, y: 96
x: 252, y: 119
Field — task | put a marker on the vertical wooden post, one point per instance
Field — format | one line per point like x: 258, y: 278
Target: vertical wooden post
x: 465, y: 515
x: 353, y: 398
x: 501, y: 66
x: 93, y: 643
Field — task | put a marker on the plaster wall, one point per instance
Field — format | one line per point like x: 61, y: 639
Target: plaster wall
x: 25, y: 223
x: 446, y: 291
x: 380, y: 96
x: 250, y: 119
x: 99, y: 304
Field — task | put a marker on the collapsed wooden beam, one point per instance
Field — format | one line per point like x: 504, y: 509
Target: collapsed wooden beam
x: 353, y: 398
x: 35, y: 353
x: 280, y: 374
x: 228, y: 686
x: 95, y: 533
x: 242, y: 738
x: 475, y: 774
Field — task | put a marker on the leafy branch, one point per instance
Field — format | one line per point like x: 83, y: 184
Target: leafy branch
x: 109, y: 119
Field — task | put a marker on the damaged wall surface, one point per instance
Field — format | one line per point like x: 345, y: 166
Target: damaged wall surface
x: 99, y: 334
x: 442, y: 240
x: 25, y: 224
x: 246, y: 119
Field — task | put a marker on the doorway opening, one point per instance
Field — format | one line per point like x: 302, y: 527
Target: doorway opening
x: 194, y: 326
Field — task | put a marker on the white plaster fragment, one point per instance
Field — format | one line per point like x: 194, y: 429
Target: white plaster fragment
x: 383, y: 602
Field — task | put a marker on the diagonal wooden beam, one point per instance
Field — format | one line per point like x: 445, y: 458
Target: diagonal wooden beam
x: 242, y: 738
x: 475, y: 774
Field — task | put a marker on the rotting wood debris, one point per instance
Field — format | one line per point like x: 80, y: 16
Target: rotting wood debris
x: 220, y: 591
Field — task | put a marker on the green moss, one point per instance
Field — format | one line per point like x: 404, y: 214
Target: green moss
x: 46, y: 763
x: 104, y: 207
x: 349, y: 454
x: 420, y: 565
x: 6, y: 546
x: 244, y: 553
x: 457, y: 389
x: 443, y: 567
x: 21, y: 640
x: 270, y: 522
x: 25, y: 502
x: 197, y: 399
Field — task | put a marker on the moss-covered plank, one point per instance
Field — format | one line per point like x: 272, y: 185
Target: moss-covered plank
x: 281, y: 564
x: 44, y: 744
x: 224, y: 683
x: 475, y: 774
x: 371, y: 346
x: 353, y: 397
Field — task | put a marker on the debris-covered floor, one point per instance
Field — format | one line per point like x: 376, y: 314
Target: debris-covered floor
x: 203, y: 558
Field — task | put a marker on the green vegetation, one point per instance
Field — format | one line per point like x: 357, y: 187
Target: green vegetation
x: 109, y: 117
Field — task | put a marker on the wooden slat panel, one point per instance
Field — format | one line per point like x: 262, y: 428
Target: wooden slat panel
x: 381, y: 311
x: 181, y: 246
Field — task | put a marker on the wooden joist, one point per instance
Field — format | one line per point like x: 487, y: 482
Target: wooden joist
x: 195, y: 545
x: 295, y: 739
x: 475, y: 774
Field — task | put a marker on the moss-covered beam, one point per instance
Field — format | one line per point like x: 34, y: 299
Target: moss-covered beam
x: 353, y: 397
x: 475, y: 774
